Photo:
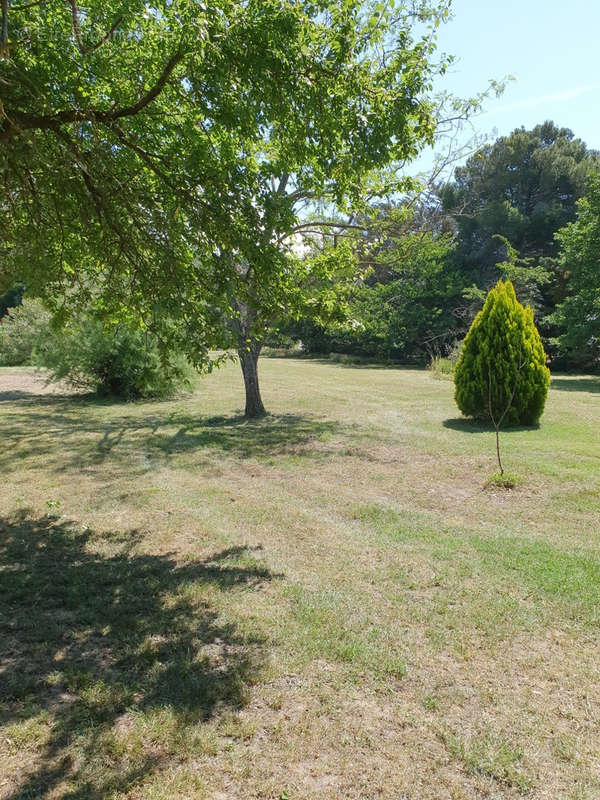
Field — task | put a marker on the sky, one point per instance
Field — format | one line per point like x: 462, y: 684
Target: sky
x: 550, y: 47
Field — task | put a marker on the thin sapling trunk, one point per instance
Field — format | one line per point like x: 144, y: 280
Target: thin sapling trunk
x: 497, y: 421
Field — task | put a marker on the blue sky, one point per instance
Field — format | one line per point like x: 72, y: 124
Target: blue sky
x: 551, y: 48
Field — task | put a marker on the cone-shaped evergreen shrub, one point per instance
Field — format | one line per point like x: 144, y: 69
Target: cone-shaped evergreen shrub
x: 502, y: 364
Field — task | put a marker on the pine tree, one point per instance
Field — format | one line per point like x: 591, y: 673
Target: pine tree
x: 501, y: 374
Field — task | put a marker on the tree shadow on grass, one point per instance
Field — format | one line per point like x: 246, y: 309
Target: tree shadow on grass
x: 350, y: 362
x: 464, y: 425
x: 25, y: 397
x: 590, y: 384
x: 102, y: 645
x: 78, y: 433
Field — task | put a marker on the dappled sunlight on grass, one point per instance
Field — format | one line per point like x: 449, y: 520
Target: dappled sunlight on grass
x: 326, y: 600
x: 93, y: 643
x: 87, y: 435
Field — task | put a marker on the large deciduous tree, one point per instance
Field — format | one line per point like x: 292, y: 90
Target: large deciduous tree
x: 161, y: 158
x: 354, y: 108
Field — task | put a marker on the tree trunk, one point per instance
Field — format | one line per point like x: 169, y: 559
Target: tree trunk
x: 249, y: 365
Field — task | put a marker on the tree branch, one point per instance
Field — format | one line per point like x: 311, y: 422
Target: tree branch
x: 17, y: 122
x: 321, y: 224
x: 152, y: 94
x: 107, y: 36
x: 77, y: 27
x: 150, y: 159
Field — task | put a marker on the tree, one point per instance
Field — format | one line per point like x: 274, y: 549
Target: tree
x: 579, y: 313
x: 341, y: 134
x: 501, y: 374
x: 22, y: 330
x: 509, y: 199
x: 168, y: 174
x: 523, y: 187
x: 402, y: 308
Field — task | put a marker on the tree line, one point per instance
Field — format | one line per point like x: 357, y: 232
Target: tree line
x: 210, y: 173
x: 523, y: 208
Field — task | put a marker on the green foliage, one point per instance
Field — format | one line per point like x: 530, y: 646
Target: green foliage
x: 579, y: 314
x: 501, y: 373
x: 522, y: 187
x: 22, y: 330
x: 503, y: 480
x: 195, y: 132
x: 444, y: 366
x: 508, y: 201
x: 402, y: 310
x: 119, y: 361
x: 526, y: 276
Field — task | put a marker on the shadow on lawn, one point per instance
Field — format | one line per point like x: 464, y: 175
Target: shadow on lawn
x: 23, y: 396
x: 95, y: 642
x: 465, y: 425
x: 79, y: 432
x: 350, y: 363
x: 576, y: 384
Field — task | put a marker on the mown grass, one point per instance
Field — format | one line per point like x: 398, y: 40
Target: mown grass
x: 333, y: 601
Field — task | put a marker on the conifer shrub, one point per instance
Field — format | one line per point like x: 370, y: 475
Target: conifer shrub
x: 501, y: 374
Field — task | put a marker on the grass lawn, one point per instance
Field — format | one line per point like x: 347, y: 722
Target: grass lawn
x: 327, y: 603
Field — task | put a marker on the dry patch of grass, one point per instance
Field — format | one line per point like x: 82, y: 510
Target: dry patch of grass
x: 325, y: 603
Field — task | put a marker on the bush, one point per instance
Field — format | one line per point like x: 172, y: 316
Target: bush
x: 21, y: 331
x: 119, y: 361
x: 501, y: 373
x: 444, y: 366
